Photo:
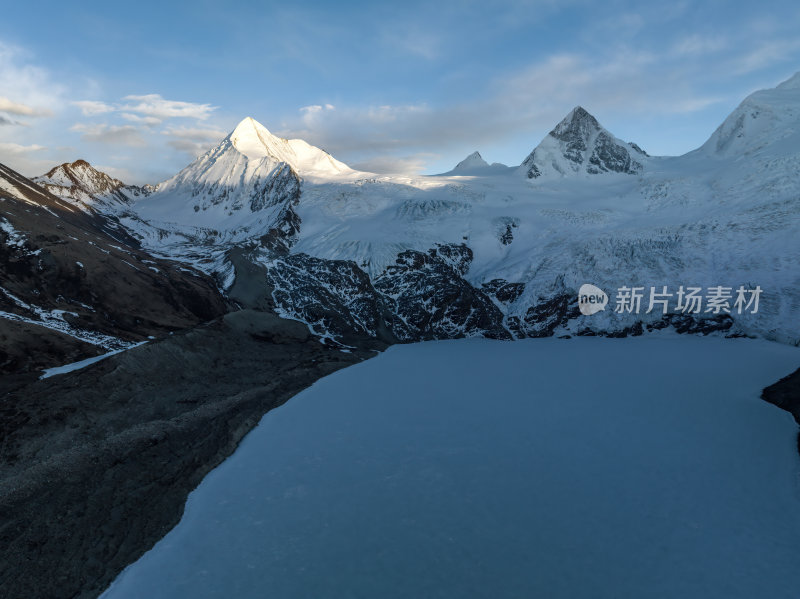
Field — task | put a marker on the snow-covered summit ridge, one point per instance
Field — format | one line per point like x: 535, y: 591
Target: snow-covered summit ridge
x: 255, y: 141
x: 245, y: 185
x: 250, y: 172
x: 765, y: 117
x: 580, y: 145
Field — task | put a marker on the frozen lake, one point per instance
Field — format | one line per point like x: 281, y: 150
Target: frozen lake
x: 644, y: 467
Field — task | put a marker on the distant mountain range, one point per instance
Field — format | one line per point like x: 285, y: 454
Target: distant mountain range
x: 482, y: 250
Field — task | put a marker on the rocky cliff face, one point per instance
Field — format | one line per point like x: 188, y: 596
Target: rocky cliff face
x: 786, y: 395
x: 433, y: 299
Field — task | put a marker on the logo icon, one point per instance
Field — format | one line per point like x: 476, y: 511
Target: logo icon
x: 591, y: 299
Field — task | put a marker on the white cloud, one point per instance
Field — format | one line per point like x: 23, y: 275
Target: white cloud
x: 156, y: 106
x: 123, y: 174
x: 149, y: 121
x: 126, y: 135
x: 149, y: 109
x: 196, y: 134
x: 396, y: 165
x: 370, y: 128
x: 141, y: 116
x: 93, y: 107
x: 10, y: 107
x: 30, y: 159
x: 317, y: 108
x: 28, y: 90
x: 12, y: 148
x: 698, y: 45
x: 193, y: 142
x: 767, y: 54
x: 311, y: 114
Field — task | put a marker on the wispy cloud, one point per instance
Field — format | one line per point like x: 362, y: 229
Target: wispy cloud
x: 193, y: 142
x: 414, y: 42
x: 532, y: 98
x: 28, y: 90
x: 125, y: 135
x: 4, y: 120
x: 402, y: 165
x: 145, y: 121
x: 149, y: 109
x: 699, y: 45
x: 93, y: 107
x: 155, y: 106
x: 20, y: 109
x: 771, y: 52
x: 148, y: 121
x: 12, y: 148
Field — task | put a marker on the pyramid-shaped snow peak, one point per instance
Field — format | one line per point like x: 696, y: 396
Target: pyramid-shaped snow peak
x: 255, y: 141
x: 580, y: 145
x: 250, y: 171
x: 472, y: 161
x: 475, y: 165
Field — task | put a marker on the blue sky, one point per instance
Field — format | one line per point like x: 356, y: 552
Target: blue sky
x: 139, y: 90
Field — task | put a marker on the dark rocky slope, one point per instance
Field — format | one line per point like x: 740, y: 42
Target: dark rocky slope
x: 786, y: 395
x: 95, y: 465
x: 78, y: 284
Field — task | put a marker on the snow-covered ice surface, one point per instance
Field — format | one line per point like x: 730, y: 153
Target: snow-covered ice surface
x: 639, y: 467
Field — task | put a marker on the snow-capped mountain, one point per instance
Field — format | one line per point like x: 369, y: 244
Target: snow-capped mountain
x: 578, y: 144
x: 474, y: 160
x: 764, y: 118
x: 82, y: 185
x: 255, y: 141
x: 245, y: 186
x: 685, y: 221
x: 474, y: 164
x: 405, y: 258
